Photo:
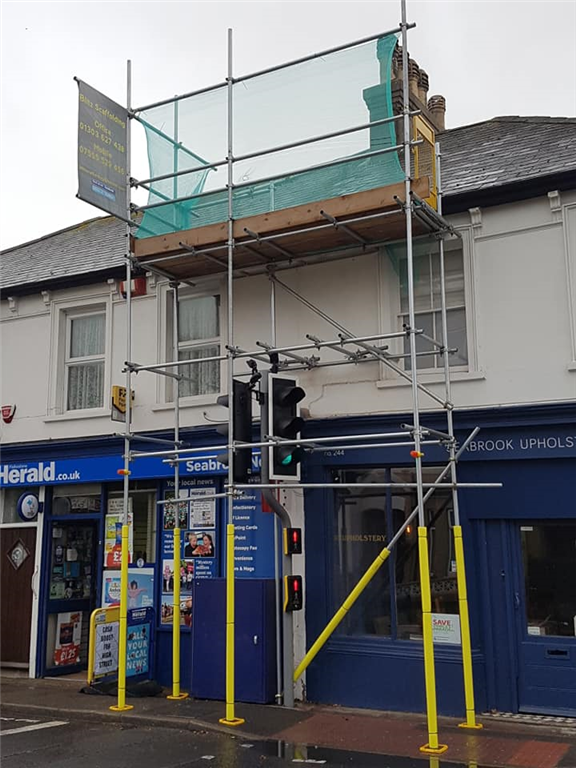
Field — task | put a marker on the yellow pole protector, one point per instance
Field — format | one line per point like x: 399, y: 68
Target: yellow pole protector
x: 432, y: 747
x: 465, y: 632
x: 230, y: 719
x: 123, y: 628
x: 176, y: 694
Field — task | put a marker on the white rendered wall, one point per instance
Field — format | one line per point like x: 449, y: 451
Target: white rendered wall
x: 520, y: 264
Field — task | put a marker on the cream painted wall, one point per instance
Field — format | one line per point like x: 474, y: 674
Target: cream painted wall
x: 520, y: 263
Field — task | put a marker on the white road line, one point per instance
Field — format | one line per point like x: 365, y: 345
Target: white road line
x: 19, y: 720
x: 36, y: 727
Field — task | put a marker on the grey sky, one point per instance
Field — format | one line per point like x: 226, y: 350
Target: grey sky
x: 487, y: 58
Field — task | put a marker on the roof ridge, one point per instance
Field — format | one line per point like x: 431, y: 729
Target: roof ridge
x: 514, y: 119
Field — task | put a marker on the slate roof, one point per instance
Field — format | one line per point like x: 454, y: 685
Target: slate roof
x: 505, y: 150
x: 475, y: 158
x: 93, y: 246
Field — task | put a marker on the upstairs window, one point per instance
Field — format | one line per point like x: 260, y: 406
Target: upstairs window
x: 199, y: 337
x: 85, y: 360
x: 427, y: 303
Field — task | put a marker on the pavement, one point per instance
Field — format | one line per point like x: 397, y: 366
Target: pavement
x: 501, y: 743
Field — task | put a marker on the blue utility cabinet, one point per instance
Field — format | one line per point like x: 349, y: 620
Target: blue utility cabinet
x: 255, y: 640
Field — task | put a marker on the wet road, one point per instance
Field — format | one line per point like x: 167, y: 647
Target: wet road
x: 45, y: 743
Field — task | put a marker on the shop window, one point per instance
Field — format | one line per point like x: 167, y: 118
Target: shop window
x: 549, y: 558
x: 9, y: 501
x: 199, y: 337
x: 360, y: 533
x: 85, y: 360
x: 142, y: 519
x: 438, y: 518
x: 76, y: 500
x: 364, y: 521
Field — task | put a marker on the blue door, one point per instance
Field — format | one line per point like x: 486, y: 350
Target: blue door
x: 545, y: 607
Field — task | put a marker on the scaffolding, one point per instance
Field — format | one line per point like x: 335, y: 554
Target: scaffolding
x: 326, y: 230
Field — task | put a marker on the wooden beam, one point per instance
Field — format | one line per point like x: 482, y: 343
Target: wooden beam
x: 355, y: 204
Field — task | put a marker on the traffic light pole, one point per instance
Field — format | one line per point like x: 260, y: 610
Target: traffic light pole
x: 284, y: 517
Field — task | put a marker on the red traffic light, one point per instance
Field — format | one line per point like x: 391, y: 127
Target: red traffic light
x: 293, y: 598
x: 292, y: 541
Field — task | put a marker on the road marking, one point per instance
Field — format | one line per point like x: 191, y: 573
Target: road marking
x: 19, y: 720
x: 36, y: 727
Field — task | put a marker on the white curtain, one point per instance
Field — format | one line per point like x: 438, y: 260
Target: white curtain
x: 86, y: 378
x: 86, y: 386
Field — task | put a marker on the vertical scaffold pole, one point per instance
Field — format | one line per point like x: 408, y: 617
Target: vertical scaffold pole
x: 277, y: 580
x: 230, y: 718
x: 176, y: 693
x: 433, y: 745
x: 121, y: 706
x: 457, y: 531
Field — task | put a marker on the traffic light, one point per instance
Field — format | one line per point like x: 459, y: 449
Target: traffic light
x: 292, y: 541
x: 293, y: 597
x: 285, y: 422
x: 242, y: 430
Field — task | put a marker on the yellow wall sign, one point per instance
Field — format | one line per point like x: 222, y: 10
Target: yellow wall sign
x: 119, y: 398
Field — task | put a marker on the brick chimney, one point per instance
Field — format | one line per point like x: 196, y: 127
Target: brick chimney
x: 433, y: 109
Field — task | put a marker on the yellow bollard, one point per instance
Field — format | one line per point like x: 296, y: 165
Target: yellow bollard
x: 176, y: 694
x: 432, y: 747
x: 230, y: 719
x: 465, y: 632
x: 123, y: 628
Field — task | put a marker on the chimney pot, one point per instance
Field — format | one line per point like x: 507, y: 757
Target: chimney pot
x: 413, y: 76
x: 437, y: 109
x: 423, y: 85
x: 397, y: 63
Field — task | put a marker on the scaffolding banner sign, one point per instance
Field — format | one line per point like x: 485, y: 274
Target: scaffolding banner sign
x: 102, y: 140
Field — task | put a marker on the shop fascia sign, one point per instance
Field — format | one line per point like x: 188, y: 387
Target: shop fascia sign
x: 103, y: 468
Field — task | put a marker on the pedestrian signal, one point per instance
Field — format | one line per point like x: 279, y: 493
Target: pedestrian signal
x: 293, y: 597
x: 292, y: 541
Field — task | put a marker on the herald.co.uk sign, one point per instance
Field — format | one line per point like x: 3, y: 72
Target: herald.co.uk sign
x: 105, y: 468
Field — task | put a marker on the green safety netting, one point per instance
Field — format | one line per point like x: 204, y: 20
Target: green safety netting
x: 326, y: 94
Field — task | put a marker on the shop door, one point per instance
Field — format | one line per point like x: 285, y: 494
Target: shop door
x: 71, y: 596
x: 18, y: 554
x: 545, y: 602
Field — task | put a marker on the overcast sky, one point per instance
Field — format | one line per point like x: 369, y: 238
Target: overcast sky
x: 487, y: 58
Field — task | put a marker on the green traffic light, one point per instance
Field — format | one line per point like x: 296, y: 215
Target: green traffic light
x: 287, y: 460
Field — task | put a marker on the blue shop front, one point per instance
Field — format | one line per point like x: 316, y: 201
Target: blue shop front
x: 82, y: 509
x: 520, y: 549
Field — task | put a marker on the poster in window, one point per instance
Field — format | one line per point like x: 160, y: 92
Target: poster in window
x: 170, y: 516
x: 68, y: 637
x: 199, y: 544
x: 185, y: 574
x: 113, y: 533
x: 140, y: 588
x: 167, y: 610
x: 202, y: 511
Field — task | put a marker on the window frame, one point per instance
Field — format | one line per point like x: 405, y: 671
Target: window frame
x: 73, y: 362
x: 166, y: 387
x: 335, y: 599
x: 391, y: 316
x: 61, y: 311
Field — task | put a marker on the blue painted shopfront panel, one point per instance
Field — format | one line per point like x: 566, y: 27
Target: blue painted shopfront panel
x: 389, y: 678
x: 536, y: 463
